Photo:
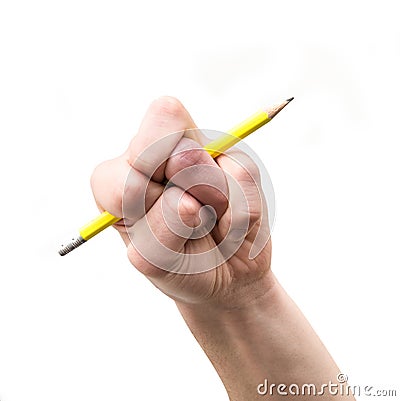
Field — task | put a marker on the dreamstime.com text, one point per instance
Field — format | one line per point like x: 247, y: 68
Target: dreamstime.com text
x: 340, y: 388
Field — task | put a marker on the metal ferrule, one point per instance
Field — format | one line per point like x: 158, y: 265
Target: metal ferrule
x: 71, y: 246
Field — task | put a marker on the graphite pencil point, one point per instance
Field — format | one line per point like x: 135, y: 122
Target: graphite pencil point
x: 273, y: 111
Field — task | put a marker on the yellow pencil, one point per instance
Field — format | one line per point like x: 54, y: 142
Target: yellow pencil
x: 214, y: 148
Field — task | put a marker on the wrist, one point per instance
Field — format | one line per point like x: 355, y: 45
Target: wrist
x: 238, y: 305
x: 234, y: 337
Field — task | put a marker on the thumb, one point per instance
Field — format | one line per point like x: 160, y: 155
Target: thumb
x: 157, y: 241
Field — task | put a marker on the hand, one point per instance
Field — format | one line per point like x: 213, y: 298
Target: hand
x: 205, y: 243
x: 170, y: 232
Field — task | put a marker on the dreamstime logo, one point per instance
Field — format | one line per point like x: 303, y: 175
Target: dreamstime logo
x: 339, y: 387
x: 342, y: 378
x: 203, y: 215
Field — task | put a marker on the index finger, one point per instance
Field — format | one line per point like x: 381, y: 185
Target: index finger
x: 162, y: 127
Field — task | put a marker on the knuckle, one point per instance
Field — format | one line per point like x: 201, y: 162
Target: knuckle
x: 253, y: 171
x: 249, y: 170
x: 180, y: 207
x: 190, y: 157
x: 188, y: 210
x: 167, y: 106
x: 244, y: 168
x: 244, y: 220
x: 246, y: 203
x: 187, y: 153
x: 239, y: 173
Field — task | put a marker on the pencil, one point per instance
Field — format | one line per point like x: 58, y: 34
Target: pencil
x: 214, y: 148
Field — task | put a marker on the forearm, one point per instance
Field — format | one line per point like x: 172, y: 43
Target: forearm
x: 265, y: 339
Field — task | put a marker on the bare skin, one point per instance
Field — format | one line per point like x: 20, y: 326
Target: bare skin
x: 243, y: 319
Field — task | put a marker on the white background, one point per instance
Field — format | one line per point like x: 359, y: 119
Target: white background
x: 75, y: 80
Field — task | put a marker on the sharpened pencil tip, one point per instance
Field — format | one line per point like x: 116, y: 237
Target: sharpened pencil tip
x: 274, y: 110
